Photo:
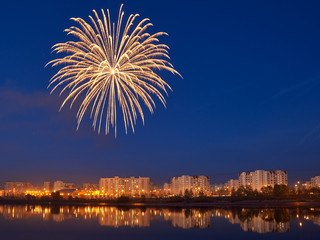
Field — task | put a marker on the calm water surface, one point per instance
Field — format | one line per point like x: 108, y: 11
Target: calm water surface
x: 73, y: 222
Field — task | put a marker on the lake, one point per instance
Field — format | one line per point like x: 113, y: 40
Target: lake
x: 103, y: 222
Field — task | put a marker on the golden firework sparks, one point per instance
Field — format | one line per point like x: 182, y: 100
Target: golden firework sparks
x: 109, y: 66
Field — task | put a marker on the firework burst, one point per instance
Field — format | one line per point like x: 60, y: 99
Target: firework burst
x: 112, y: 66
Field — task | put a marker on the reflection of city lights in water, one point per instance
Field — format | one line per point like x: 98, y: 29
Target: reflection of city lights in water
x: 249, y: 220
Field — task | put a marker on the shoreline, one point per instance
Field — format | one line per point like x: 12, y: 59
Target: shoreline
x: 218, y: 204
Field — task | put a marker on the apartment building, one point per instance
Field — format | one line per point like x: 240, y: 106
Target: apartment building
x: 132, y: 187
x: 197, y: 184
x: 262, y: 178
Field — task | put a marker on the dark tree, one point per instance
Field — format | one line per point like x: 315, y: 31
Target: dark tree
x: 267, y: 191
x: 55, y: 195
x: 187, y: 194
x: 201, y: 194
x: 281, y: 190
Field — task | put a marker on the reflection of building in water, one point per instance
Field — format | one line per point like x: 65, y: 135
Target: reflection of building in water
x: 311, y: 214
x: 316, y: 220
x: 108, y: 216
x: 259, y: 225
x: 117, y: 217
x: 111, y: 216
x: 259, y: 220
x: 11, y: 212
x: 188, y: 218
x: 58, y: 213
x: 250, y: 220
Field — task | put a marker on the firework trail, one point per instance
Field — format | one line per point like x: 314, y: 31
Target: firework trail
x: 111, y: 67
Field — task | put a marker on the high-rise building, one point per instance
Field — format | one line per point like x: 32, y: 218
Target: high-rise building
x: 144, y: 186
x: 17, y: 188
x: 279, y: 177
x: 90, y: 187
x: 60, y: 185
x: 245, y: 179
x: 202, y: 184
x: 132, y: 187
x: 262, y: 178
x: 197, y: 184
x: 48, y: 186
x: 233, y: 184
x: 258, y: 179
x: 315, y: 181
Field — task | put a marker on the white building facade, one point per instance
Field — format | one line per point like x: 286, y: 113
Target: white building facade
x: 132, y: 187
x: 261, y: 178
x: 233, y: 184
x: 315, y: 181
x: 196, y: 184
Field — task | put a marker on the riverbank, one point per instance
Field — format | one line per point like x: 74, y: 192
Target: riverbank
x: 159, y: 204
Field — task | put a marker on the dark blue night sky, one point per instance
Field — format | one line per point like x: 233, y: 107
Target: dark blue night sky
x: 250, y: 97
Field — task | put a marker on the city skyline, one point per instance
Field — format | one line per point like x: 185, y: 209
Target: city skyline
x: 254, y: 179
